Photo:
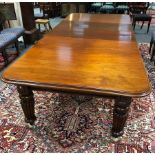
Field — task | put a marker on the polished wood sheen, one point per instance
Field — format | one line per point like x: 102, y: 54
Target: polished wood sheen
x: 86, y: 30
x: 92, y: 62
x: 99, y: 18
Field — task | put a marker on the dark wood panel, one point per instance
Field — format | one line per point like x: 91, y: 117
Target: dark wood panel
x: 31, y: 32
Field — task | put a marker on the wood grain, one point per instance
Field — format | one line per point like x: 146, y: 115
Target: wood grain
x: 99, y: 18
x: 94, y: 62
x: 86, y: 30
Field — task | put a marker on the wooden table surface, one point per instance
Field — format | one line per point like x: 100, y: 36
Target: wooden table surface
x: 94, y: 30
x: 85, y: 54
x: 99, y: 18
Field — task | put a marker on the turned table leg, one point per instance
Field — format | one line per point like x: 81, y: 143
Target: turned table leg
x: 27, y: 103
x: 120, y: 115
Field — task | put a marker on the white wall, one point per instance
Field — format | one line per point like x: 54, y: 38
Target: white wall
x: 18, y: 22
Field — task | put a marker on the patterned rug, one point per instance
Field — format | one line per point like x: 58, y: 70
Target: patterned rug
x: 12, y: 54
x: 55, y: 131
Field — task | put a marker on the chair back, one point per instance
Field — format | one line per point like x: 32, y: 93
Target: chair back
x: 138, y: 7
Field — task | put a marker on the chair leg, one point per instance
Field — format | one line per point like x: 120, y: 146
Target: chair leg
x: 148, y: 26
x: 142, y: 24
x: 49, y: 26
x: 134, y: 24
x: 17, y: 47
x: 153, y: 53
x: 151, y: 43
x: 24, y: 40
x: 46, y: 27
x: 5, y: 56
x: 39, y: 27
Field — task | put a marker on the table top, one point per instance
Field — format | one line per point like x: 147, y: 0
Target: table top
x: 92, y: 30
x: 86, y: 53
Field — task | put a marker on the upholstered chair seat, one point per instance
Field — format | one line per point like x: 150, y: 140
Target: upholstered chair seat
x: 18, y: 31
x: 6, y: 39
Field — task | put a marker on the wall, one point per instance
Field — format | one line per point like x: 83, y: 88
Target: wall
x: 18, y: 22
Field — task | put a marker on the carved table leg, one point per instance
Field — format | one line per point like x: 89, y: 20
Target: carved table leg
x: 27, y: 103
x: 120, y: 115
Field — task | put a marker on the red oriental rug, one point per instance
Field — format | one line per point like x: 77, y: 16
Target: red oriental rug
x: 92, y: 132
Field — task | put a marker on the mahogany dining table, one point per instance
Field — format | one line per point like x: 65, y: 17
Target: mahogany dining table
x: 86, y: 54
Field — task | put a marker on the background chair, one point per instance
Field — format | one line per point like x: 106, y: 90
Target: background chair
x: 8, y: 37
x: 6, y: 40
x: 137, y: 12
x: 142, y: 18
x: 121, y: 7
x: 95, y: 7
x: 108, y: 8
x: 137, y: 7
